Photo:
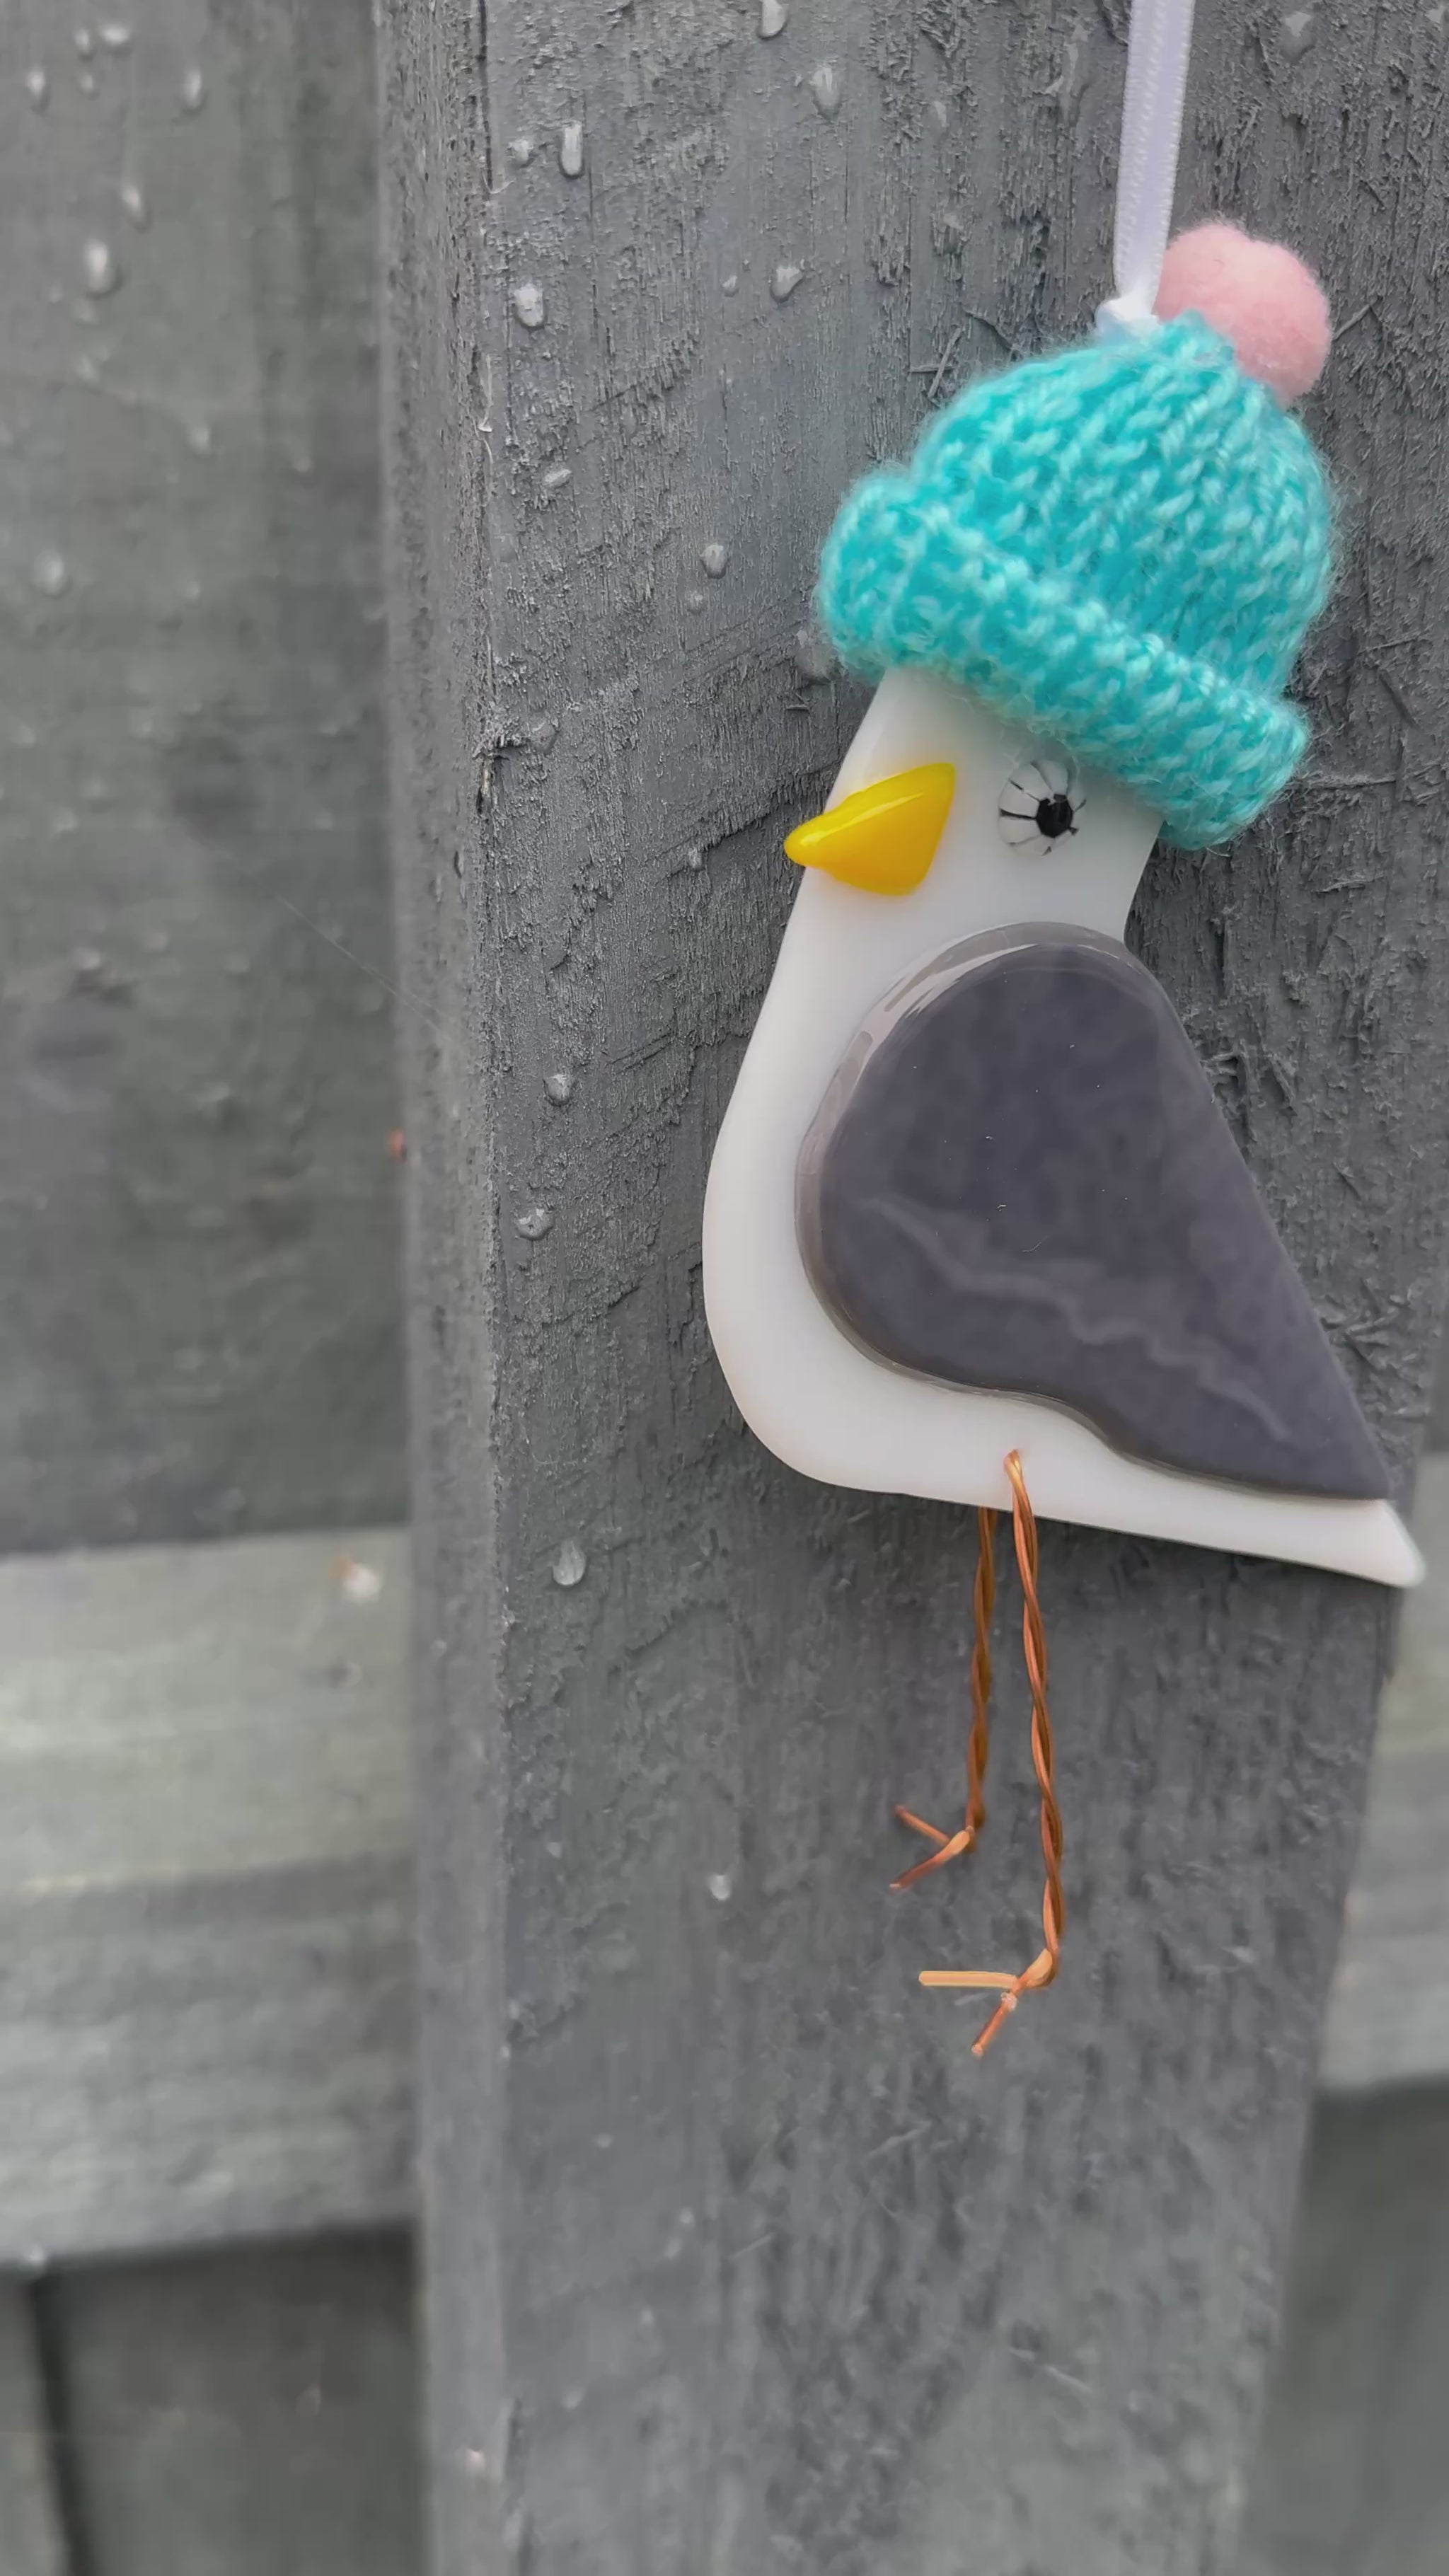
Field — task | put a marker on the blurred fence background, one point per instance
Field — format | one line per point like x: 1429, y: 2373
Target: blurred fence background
x: 206, y: 2346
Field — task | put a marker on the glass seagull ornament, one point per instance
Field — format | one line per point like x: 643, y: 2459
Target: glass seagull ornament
x: 973, y: 1195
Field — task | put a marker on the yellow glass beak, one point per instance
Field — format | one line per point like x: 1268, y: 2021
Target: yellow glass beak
x: 884, y: 837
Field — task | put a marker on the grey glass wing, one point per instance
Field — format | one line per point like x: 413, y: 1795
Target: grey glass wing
x: 1020, y: 1181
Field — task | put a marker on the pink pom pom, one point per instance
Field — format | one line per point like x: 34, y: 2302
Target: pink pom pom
x: 1263, y: 301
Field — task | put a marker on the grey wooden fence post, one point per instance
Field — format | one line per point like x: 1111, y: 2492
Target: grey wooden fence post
x: 737, y: 2261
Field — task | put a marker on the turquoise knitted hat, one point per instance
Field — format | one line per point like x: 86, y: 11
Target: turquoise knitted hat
x: 1120, y: 546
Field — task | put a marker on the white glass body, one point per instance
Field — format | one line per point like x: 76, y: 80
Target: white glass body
x: 817, y: 1400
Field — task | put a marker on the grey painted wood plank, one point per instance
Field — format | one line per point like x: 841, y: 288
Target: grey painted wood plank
x: 1388, y: 2020
x: 205, y: 1893
x: 197, y: 1287
x: 205, y: 1868
x: 250, y: 2413
x: 1351, y: 2477
x: 1439, y: 1415
x: 32, y: 2541
x: 205, y: 1871
x: 737, y: 2260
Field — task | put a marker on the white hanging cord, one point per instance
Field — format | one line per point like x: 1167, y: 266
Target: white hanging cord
x: 1158, y: 44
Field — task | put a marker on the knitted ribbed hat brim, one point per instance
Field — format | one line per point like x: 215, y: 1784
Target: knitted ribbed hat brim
x: 1204, y: 751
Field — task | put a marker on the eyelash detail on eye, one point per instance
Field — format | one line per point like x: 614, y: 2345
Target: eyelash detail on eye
x: 1039, y: 806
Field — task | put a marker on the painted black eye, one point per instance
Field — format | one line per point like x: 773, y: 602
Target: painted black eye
x: 1039, y: 806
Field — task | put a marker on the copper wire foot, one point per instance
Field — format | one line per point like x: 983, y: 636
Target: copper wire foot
x: 948, y: 1847
x: 1029, y: 1980
x: 951, y: 1846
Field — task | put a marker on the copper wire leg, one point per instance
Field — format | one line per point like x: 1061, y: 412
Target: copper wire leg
x: 1043, y: 1967
x: 948, y: 1846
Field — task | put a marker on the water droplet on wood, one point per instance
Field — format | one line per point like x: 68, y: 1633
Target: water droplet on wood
x: 134, y: 203
x: 556, y: 478
x: 84, y: 42
x: 714, y: 558
x: 534, y: 1224
x: 721, y: 1886
x: 785, y: 280
x: 90, y: 970
x: 358, y: 1583
x: 570, y: 1565
x: 1297, y: 33
x: 814, y: 659
x: 51, y: 573
x: 193, y: 88
x: 940, y: 115
x: 521, y: 151
x: 98, y: 268
x: 37, y: 85
x: 115, y: 35
x: 731, y: 285
x: 560, y: 1088
x: 571, y: 151
x: 825, y: 88
x: 773, y: 15
x: 527, y: 303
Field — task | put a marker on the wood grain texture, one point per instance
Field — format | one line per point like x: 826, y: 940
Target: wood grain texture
x: 249, y: 2413
x: 1351, y: 2478
x: 32, y: 2537
x: 738, y: 2261
x: 197, y: 1292
x: 1388, y: 2019
x: 205, y: 1864
x: 205, y: 1895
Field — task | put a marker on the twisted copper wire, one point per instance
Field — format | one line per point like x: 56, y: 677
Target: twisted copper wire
x: 1043, y: 1967
x: 977, y: 1741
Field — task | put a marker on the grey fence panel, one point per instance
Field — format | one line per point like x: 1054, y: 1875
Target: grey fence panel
x: 198, y: 1324
x: 738, y: 2261
x: 205, y: 1935
x: 34, y: 2538
x: 205, y: 1893
x: 240, y: 2414
x: 1352, y: 2479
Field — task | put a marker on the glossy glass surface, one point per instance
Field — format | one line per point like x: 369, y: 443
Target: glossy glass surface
x: 1019, y: 1180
